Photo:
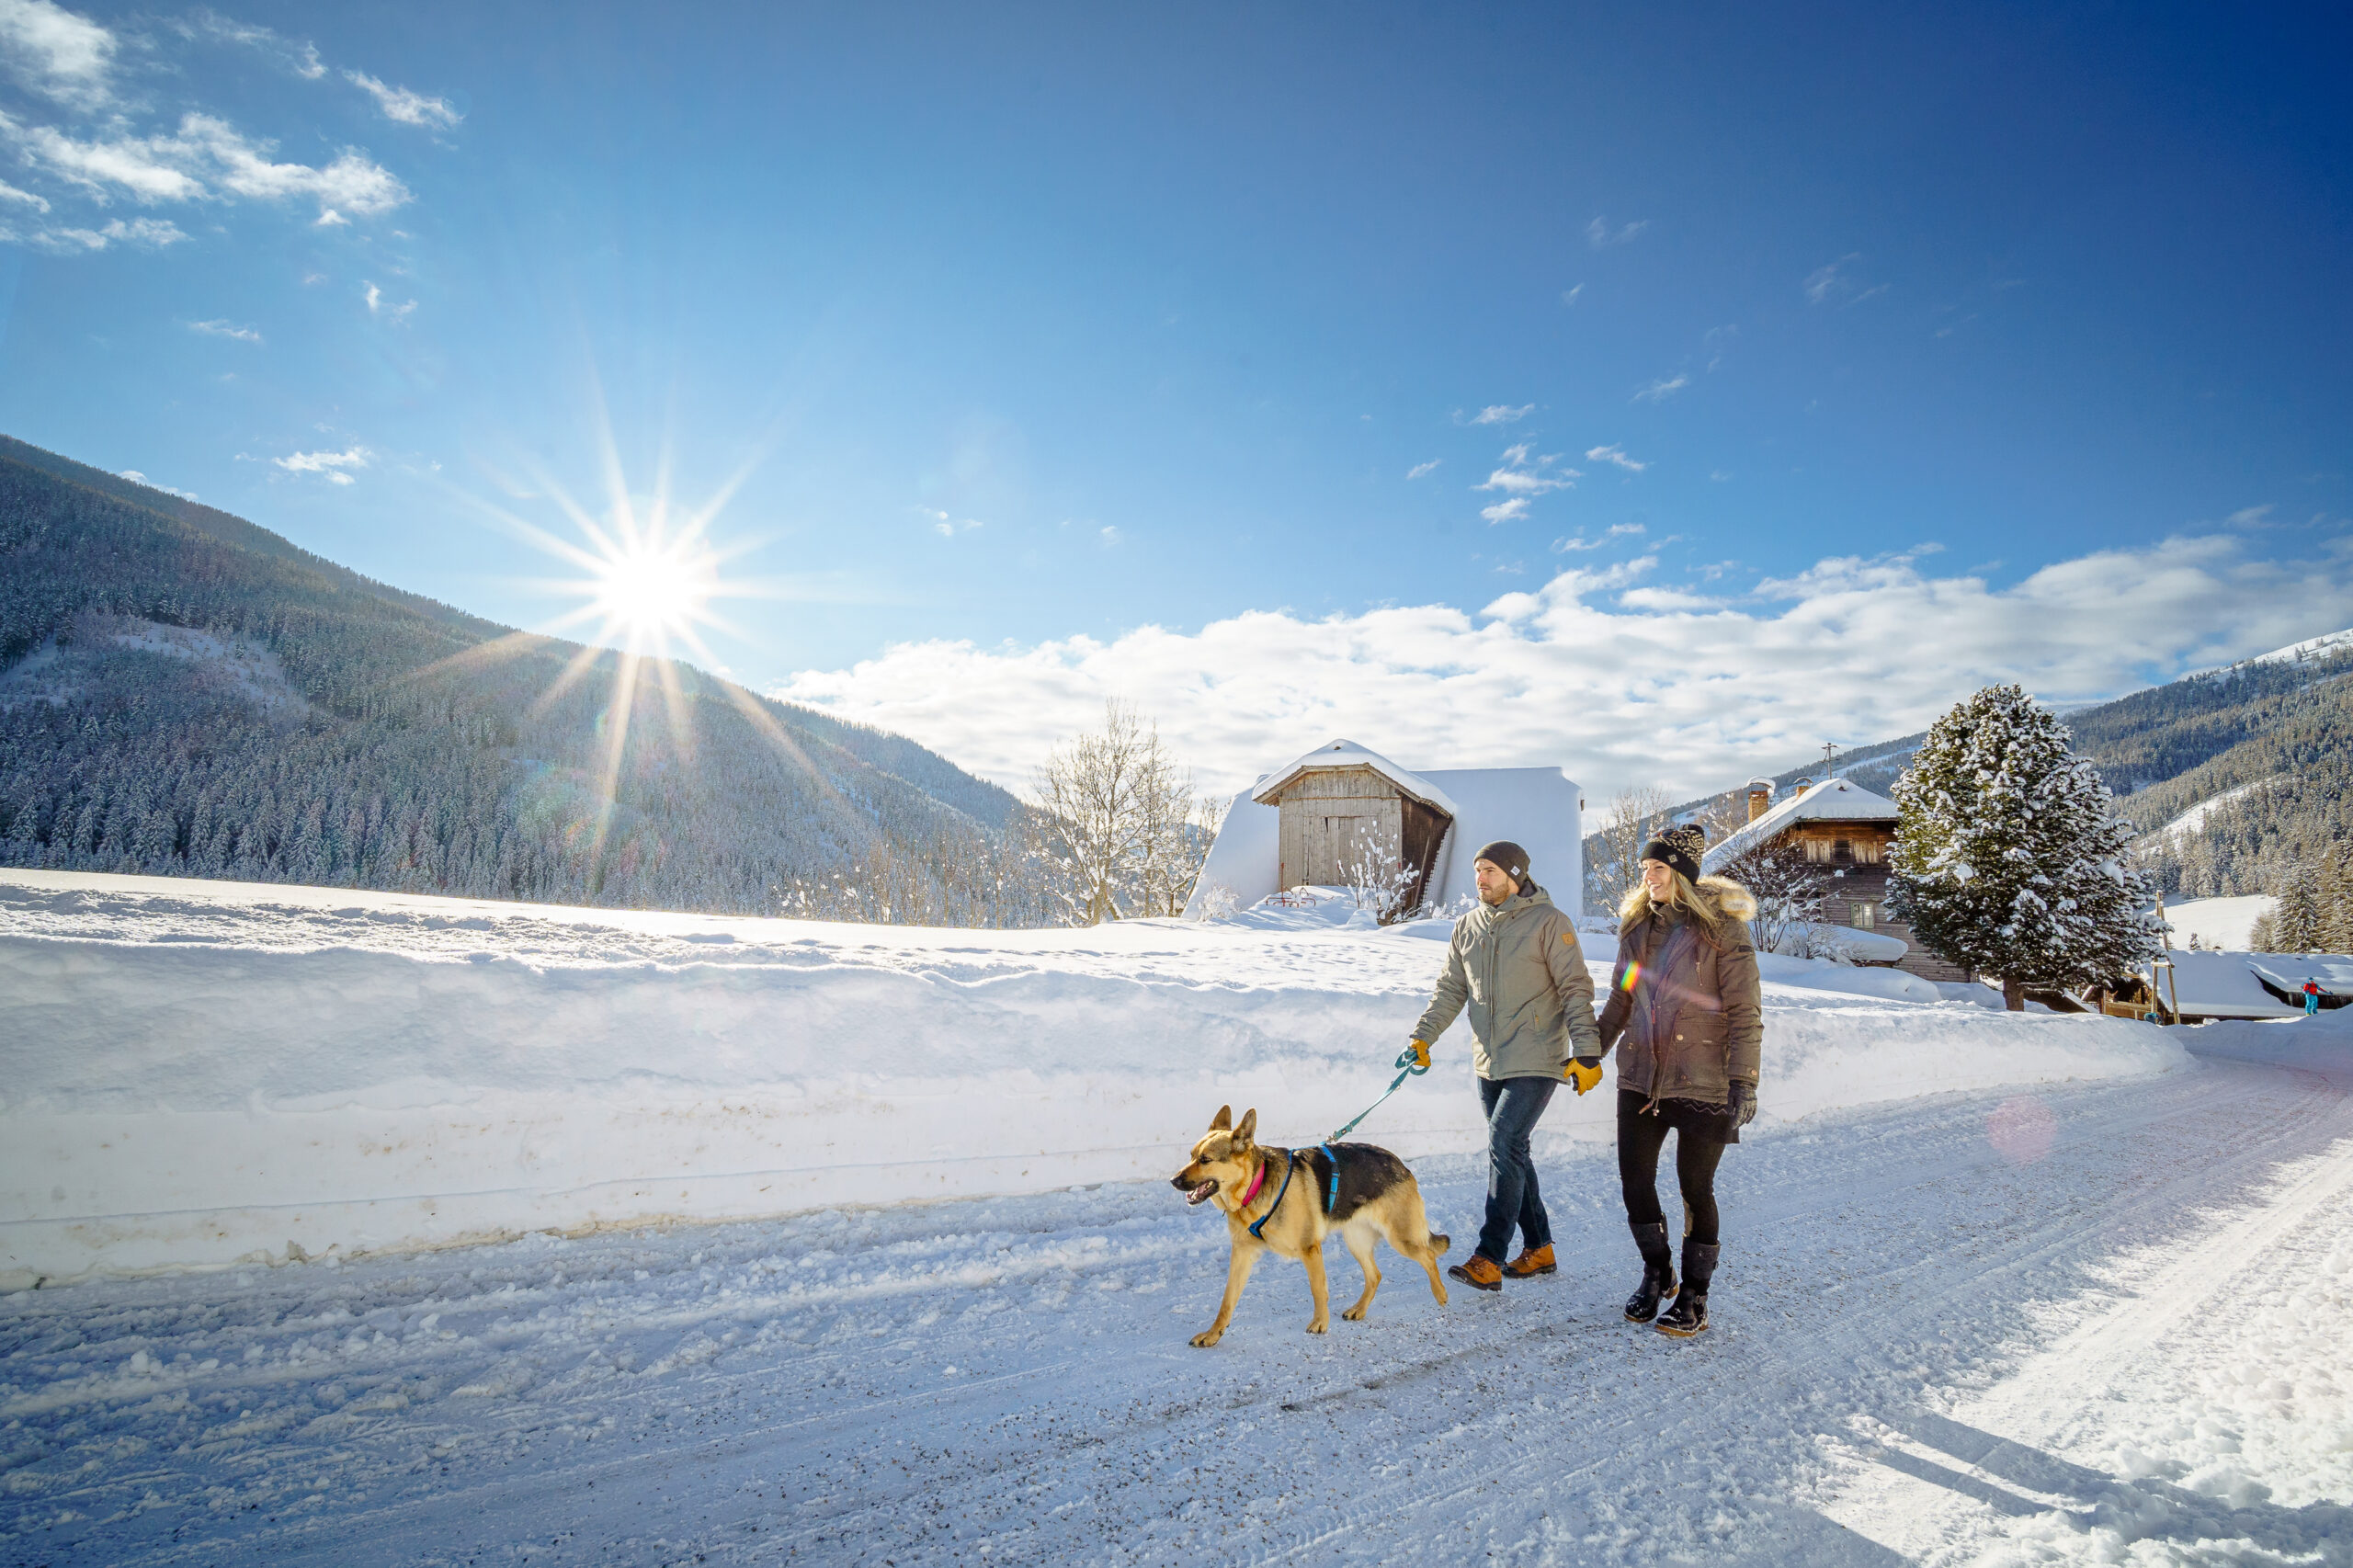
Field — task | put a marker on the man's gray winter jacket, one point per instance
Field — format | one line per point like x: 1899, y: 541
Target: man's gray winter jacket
x: 1518, y: 967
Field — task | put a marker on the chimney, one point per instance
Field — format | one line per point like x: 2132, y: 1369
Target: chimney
x: 1760, y: 797
x: 1801, y: 787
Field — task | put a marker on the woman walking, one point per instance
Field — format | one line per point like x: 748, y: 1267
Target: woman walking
x: 1684, y: 1010
x: 1514, y: 962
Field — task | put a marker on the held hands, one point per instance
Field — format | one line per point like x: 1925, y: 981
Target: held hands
x: 1419, y: 1050
x: 1584, y: 1071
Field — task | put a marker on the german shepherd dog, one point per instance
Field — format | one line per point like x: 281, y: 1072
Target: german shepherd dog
x: 1285, y: 1192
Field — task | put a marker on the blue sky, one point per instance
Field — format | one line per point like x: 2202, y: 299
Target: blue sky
x: 1072, y: 352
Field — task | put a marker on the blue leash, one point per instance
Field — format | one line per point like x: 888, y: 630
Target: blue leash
x: 1407, y: 1068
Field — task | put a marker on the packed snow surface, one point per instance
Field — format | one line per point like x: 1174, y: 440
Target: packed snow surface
x: 207, y: 1072
x: 2088, y: 1322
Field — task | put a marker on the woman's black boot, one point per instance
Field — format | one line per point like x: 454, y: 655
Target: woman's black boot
x: 1658, y: 1273
x: 1689, y: 1313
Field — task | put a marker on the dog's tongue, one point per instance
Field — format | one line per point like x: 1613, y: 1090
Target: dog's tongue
x: 1201, y: 1193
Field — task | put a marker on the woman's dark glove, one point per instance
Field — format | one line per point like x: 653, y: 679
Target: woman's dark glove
x: 1740, y: 1106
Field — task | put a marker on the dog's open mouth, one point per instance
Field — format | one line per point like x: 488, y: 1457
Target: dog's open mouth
x: 1203, y: 1193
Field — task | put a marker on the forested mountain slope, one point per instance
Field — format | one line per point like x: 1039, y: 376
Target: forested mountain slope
x: 186, y: 693
x: 2235, y: 778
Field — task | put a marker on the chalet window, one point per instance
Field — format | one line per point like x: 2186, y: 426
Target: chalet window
x: 1842, y: 853
x: 1866, y: 851
x: 1863, y: 915
x: 1817, y: 851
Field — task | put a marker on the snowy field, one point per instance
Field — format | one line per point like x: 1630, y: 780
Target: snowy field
x: 207, y: 1072
x: 1995, y: 1289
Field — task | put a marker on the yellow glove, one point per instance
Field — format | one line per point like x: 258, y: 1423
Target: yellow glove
x: 1421, y: 1050
x: 1583, y: 1073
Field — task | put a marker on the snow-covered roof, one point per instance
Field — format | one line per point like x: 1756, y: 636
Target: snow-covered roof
x: 1347, y: 754
x: 1832, y: 800
x: 2224, y: 985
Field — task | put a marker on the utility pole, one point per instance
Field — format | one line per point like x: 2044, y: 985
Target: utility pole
x: 1829, y: 760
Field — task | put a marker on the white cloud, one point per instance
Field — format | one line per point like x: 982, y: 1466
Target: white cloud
x: 351, y: 184
x: 147, y: 169
x: 1108, y: 534
x: 153, y: 232
x: 1600, y: 235
x: 380, y: 306
x: 136, y: 477
x: 1664, y: 388
x: 2250, y: 516
x: 1506, y: 511
x: 1522, y: 475
x: 301, y: 59
x: 408, y: 108
x: 1498, y: 413
x: 333, y: 464
x: 946, y: 526
x: 1421, y: 471
x: 1577, y: 542
x: 1837, y: 281
x: 207, y: 158
x: 10, y: 193
x: 1613, y: 453
x: 225, y: 329
x: 1695, y: 699
x: 56, y: 53
x: 1569, y: 296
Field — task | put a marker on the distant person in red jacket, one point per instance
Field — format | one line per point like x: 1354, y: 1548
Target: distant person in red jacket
x: 2312, y: 997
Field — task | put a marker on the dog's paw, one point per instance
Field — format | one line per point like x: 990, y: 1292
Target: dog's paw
x: 1440, y: 1292
x: 1355, y: 1314
x: 1202, y: 1341
x: 1321, y: 1325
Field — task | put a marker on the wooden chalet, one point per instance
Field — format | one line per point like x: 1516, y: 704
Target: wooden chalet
x: 1846, y: 832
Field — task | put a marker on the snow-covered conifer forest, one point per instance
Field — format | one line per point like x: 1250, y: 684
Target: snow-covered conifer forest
x: 187, y: 693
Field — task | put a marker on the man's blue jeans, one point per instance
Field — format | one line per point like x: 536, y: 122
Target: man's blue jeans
x: 1513, y: 1106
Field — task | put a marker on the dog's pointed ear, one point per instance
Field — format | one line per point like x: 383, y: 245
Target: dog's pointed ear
x: 1223, y: 1120
x: 1243, y: 1134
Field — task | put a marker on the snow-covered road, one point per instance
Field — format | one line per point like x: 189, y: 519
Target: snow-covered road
x: 2086, y: 1322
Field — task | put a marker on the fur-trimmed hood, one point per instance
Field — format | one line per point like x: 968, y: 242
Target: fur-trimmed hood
x: 1732, y: 902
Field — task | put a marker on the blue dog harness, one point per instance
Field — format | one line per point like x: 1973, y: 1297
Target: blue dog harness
x: 1292, y: 1159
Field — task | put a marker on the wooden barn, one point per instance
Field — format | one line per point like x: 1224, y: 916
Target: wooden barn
x: 1313, y: 821
x: 1344, y: 807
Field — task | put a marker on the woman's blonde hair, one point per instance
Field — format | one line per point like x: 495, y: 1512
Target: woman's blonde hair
x: 1712, y: 901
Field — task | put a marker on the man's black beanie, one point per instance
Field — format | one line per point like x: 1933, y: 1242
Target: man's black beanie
x: 1508, y: 857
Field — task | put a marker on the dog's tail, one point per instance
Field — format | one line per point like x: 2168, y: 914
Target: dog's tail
x: 1439, y: 1244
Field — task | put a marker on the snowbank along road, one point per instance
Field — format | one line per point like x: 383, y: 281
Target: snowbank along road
x: 199, y: 1073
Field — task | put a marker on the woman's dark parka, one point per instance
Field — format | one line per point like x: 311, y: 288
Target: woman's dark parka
x: 1684, y: 1008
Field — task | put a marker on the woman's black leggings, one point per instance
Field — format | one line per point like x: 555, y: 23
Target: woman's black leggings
x: 1640, y: 1136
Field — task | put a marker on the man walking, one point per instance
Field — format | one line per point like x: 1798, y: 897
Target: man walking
x: 1516, y: 964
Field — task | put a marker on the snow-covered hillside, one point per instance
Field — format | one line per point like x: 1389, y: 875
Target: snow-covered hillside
x: 204, y: 1072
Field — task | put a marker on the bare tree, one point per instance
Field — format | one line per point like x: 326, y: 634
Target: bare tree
x: 1789, y: 896
x: 1627, y: 824
x: 1381, y: 883
x: 1119, y: 823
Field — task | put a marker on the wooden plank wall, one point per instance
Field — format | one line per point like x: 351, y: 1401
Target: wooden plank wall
x: 1327, y: 814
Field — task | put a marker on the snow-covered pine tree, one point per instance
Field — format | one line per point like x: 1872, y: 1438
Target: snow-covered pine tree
x: 2296, y: 920
x: 2009, y: 857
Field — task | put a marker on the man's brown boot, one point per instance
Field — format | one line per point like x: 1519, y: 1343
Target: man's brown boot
x: 1478, y: 1272
x: 1531, y: 1263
